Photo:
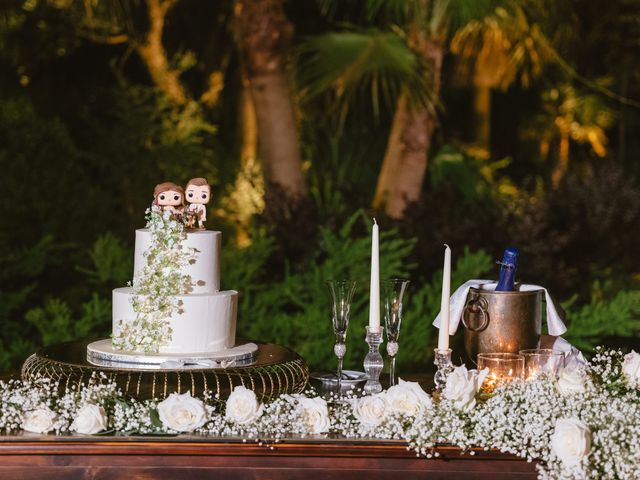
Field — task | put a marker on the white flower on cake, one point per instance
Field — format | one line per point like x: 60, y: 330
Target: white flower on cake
x: 408, y: 398
x: 571, y: 440
x: 243, y: 406
x: 631, y: 368
x: 314, y: 414
x: 40, y: 420
x: 90, y: 419
x: 371, y: 410
x: 182, y: 413
x: 154, y: 296
x: 571, y: 381
x: 462, y: 387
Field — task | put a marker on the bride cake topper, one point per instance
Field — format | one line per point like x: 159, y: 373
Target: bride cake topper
x: 168, y: 197
x: 198, y: 194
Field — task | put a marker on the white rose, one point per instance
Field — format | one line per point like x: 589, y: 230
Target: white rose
x: 40, y: 420
x: 243, y: 406
x: 571, y: 381
x: 314, y: 413
x: 571, y: 440
x: 370, y: 410
x: 408, y: 398
x: 90, y: 419
x: 182, y: 413
x: 462, y: 386
x: 631, y: 368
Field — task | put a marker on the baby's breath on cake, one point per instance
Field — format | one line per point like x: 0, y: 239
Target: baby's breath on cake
x: 156, y: 287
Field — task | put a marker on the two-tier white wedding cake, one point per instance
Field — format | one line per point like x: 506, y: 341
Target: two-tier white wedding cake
x: 206, y: 320
x: 173, y: 314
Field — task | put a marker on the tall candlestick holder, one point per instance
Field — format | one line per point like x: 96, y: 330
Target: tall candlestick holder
x: 442, y: 361
x: 373, y: 362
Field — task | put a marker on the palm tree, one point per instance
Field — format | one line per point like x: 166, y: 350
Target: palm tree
x: 570, y: 115
x: 405, y: 159
x: 263, y: 37
x: 416, y: 31
x: 496, y: 51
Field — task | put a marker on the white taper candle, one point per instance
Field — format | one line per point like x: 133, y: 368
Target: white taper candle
x: 443, y: 336
x: 374, y: 292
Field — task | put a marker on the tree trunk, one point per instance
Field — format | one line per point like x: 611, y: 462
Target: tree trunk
x: 405, y: 160
x: 249, y: 142
x: 154, y: 55
x: 263, y: 34
x: 482, y: 116
x: 562, y: 165
x: 249, y: 184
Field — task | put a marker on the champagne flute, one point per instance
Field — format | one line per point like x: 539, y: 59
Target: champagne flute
x: 393, y: 291
x: 341, y: 296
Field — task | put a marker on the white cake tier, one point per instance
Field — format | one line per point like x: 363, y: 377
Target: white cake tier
x: 207, y: 323
x: 205, y: 272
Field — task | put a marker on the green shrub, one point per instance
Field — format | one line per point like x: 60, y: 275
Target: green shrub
x: 55, y: 321
x: 603, y: 318
x: 295, y: 309
x: 112, y: 261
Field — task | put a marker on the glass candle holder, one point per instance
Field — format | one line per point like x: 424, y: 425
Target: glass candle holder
x: 541, y: 361
x: 503, y: 368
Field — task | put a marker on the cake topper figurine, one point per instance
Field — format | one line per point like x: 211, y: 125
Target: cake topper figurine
x: 198, y: 195
x: 169, y: 197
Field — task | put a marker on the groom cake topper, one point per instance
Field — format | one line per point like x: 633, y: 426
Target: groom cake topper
x: 198, y: 195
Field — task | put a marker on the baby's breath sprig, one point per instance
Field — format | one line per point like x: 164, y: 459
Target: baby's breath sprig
x: 591, y: 432
x: 155, y: 288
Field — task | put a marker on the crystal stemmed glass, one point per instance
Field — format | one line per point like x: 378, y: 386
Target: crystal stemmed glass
x: 341, y: 295
x: 393, y: 290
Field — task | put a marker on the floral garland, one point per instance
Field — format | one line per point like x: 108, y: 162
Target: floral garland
x: 156, y: 286
x: 584, y: 424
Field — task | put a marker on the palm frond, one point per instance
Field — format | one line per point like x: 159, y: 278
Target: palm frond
x: 393, y: 11
x: 349, y: 64
x: 461, y: 12
x: 503, y: 47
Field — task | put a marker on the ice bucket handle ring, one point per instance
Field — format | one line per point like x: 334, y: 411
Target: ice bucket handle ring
x: 476, y: 305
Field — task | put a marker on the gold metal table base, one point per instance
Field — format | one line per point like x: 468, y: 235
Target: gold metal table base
x: 276, y: 370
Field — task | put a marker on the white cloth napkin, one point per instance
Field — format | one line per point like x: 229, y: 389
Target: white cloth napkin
x: 555, y: 314
x: 572, y: 356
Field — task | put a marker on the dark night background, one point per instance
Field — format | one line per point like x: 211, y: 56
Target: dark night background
x: 526, y: 134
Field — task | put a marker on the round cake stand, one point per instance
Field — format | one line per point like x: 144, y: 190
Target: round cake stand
x: 275, y: 370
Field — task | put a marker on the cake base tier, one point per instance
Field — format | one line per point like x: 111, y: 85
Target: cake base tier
x: 275, y: 370
x: 207, y: 322
x: 101, y: 353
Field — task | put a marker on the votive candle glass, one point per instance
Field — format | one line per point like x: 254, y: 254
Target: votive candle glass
x: 541, y: 361
x: 503, y: 368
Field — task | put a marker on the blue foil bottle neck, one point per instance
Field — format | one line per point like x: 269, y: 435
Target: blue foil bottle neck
x: 508, y: 267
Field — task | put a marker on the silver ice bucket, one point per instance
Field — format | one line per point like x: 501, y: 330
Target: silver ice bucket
x: 501, y: 321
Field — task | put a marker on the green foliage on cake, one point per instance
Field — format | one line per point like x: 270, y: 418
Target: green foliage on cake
x: 156, y: 287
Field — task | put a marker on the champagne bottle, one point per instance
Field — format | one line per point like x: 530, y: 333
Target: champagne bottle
x: 508, y: 267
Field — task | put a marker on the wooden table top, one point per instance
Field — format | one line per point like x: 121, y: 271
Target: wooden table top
x: 30, y: 457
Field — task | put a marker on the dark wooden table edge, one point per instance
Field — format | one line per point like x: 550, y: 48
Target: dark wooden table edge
x: 74, y: 458
x: 199, y: 447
